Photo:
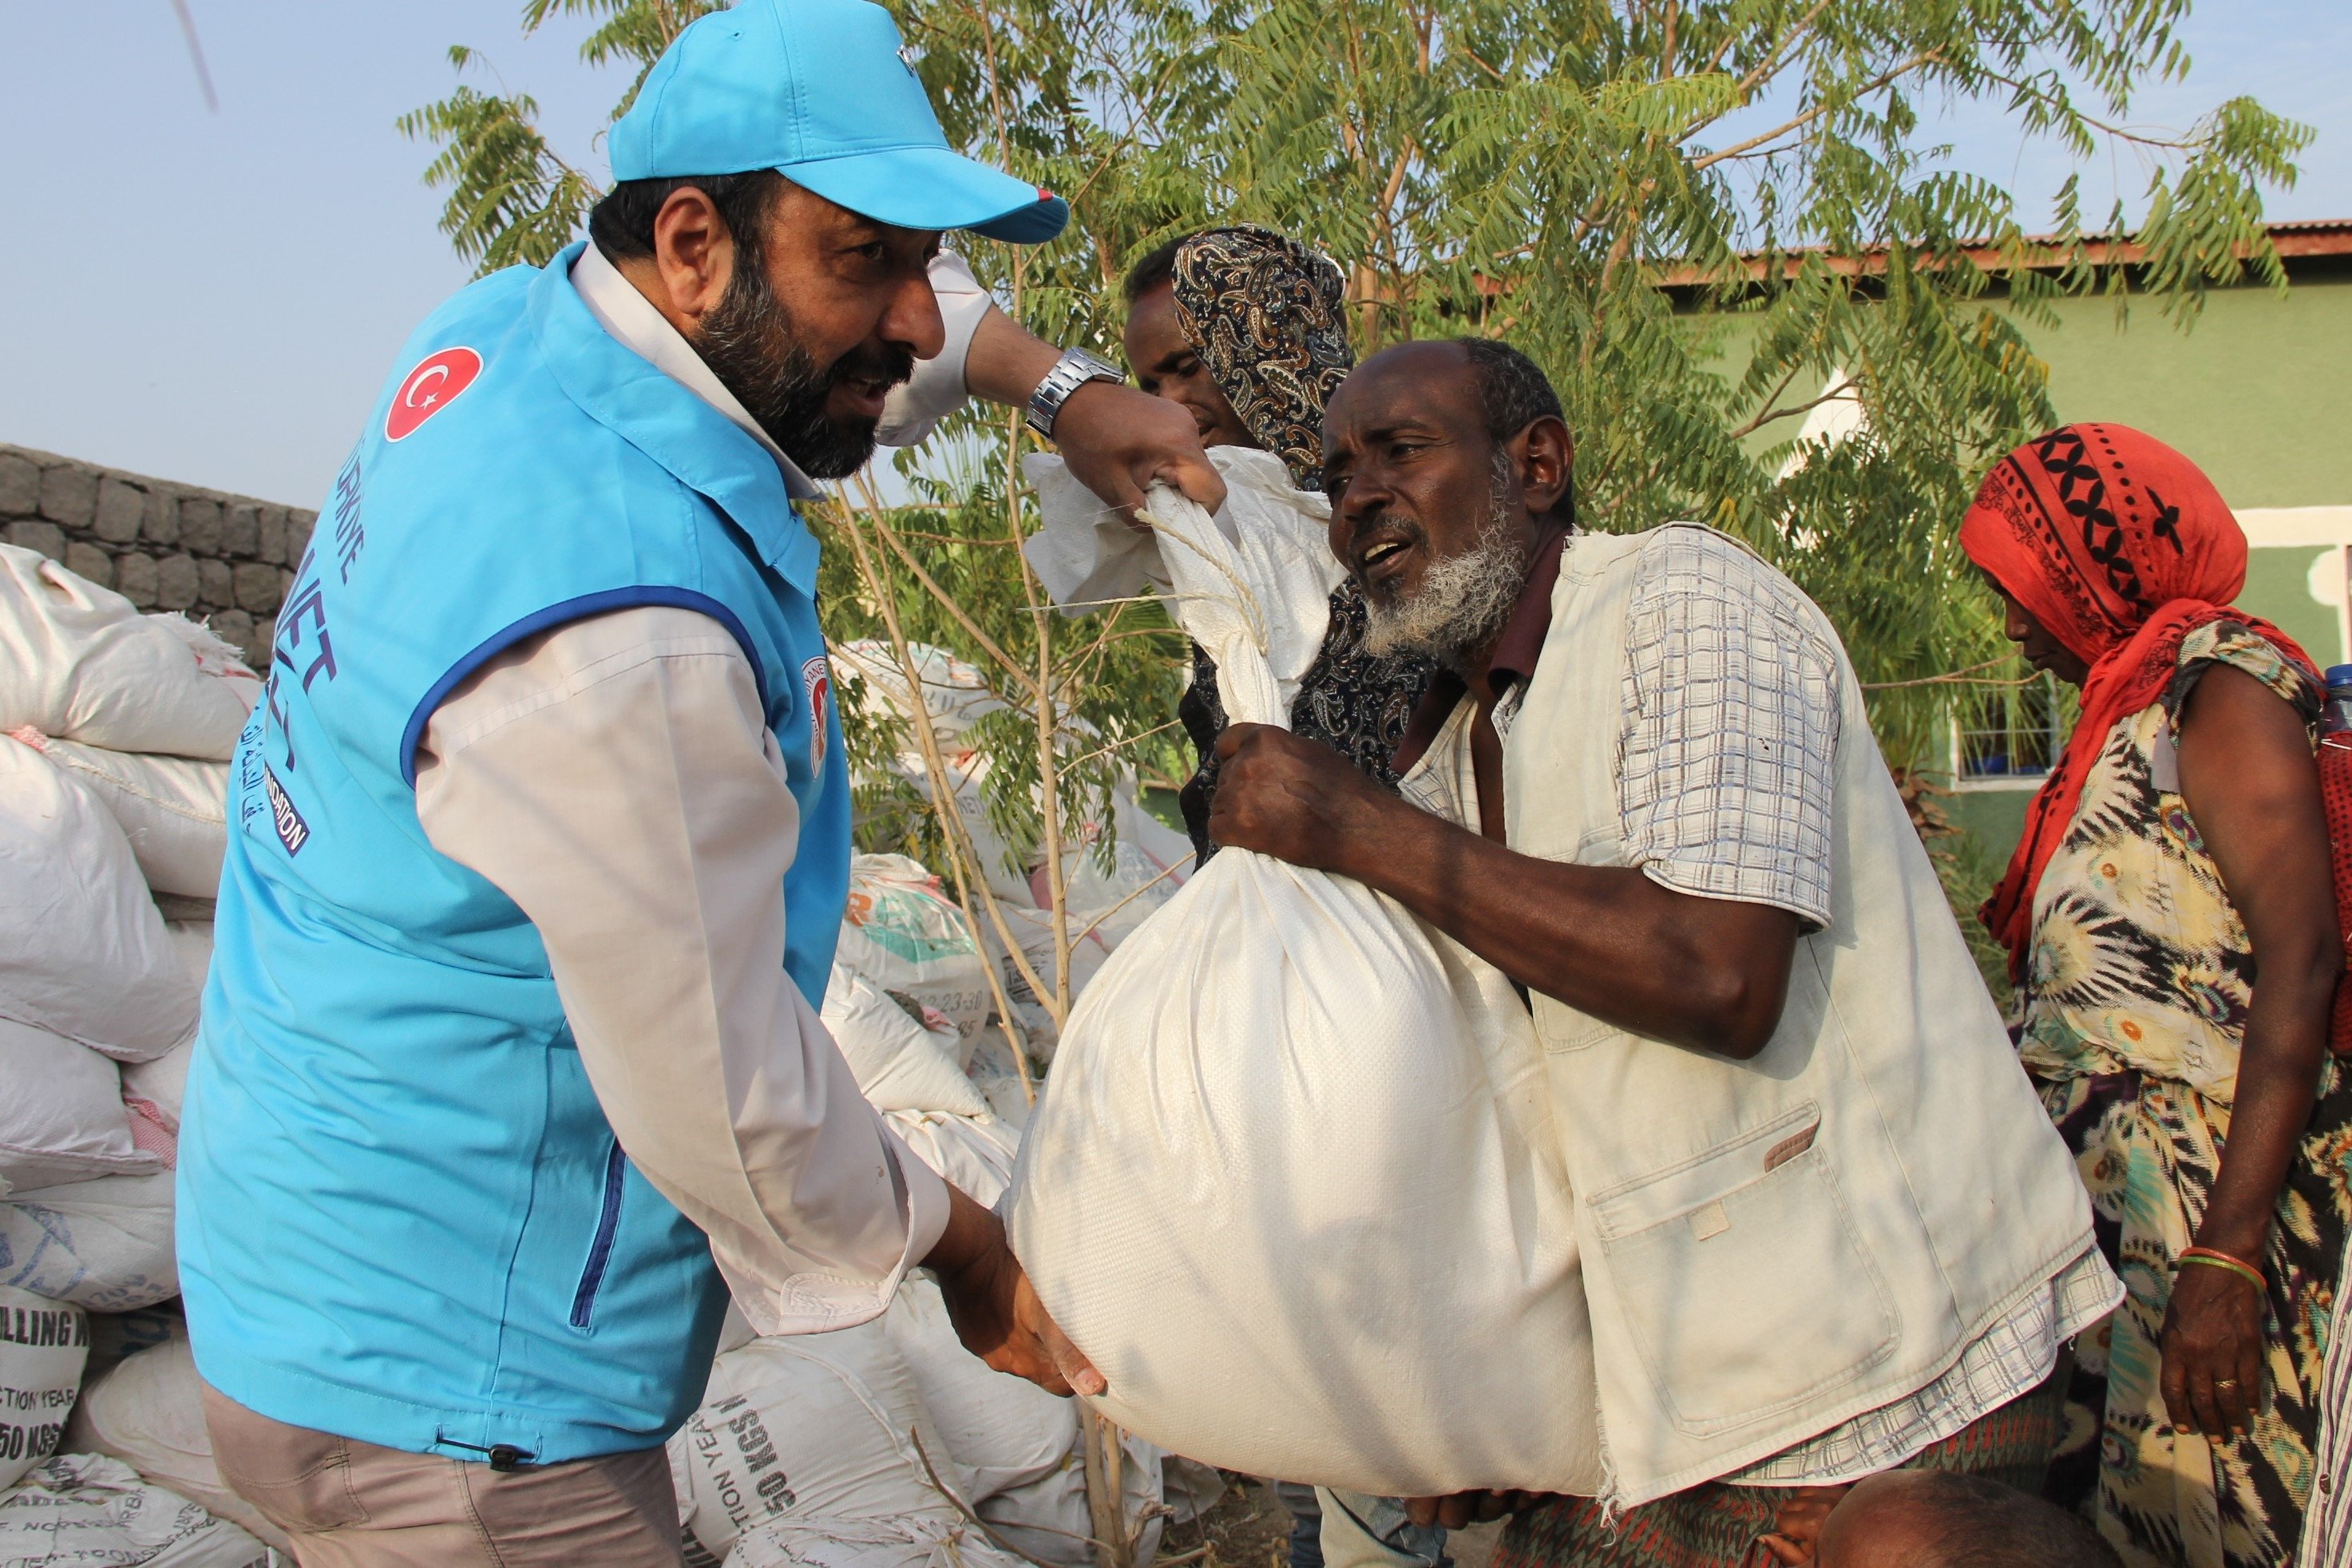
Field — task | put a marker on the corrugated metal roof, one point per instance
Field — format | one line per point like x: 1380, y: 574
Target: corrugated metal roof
x: 2310, y: 236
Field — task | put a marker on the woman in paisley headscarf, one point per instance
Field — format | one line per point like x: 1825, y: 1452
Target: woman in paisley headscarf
x: 2171, y: 926
x: 1247, y: 329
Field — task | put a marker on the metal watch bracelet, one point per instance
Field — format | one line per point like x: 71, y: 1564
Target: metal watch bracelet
x: 1072, y: 370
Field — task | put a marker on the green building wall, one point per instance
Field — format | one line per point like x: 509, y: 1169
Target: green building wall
x: 2256, y: 389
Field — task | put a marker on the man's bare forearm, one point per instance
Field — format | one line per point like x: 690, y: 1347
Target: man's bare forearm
x: 1006, y: 363
x: 1706, y: 974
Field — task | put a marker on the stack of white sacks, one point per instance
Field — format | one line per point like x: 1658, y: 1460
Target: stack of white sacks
x: 889, y: 1445
x: 1117, y: 869
x: 882, y: 1447
x: 113, y: 769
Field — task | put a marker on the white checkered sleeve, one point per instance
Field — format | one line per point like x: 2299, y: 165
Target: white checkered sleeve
x: 1731, y: 727
x: 2327, y: 1527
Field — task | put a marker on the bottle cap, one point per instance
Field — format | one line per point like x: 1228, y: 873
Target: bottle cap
x: 2339, y: 675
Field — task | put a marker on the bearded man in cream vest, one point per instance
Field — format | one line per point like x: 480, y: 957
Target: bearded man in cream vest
x: 1826, y: 1228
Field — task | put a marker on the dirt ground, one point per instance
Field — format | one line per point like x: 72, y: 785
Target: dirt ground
x: 1249, y: 1527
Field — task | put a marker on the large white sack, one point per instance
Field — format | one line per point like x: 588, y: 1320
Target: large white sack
x: 86, y: 1510
x: 83, y: 953
x: 192, y: 943
x: 104, y: 1243
x: 1002, y: 1431
x: 814, y: 1428
x: 1293, y: 1185
x: 1017, y: 1444
x: 974, y: 1153
x: 148, y: 1411
x: 955, y: 694
x: 899, y: 1064
x: 173, y: 810
x: 80, y: 662
x: 910, y: 1540
x: 44, y: 1345
x: 903, y: 932
x: 156, y: 1090
x: 1020, y: 1445
x: 114, y: 1335
x: 152, y: 1092
x: 997, y: 1075
x: 61, y: 1114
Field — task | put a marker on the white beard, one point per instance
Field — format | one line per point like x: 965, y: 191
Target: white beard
x: 1464, y: 601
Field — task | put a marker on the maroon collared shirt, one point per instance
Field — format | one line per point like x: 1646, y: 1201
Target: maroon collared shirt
x: 1515, y: 655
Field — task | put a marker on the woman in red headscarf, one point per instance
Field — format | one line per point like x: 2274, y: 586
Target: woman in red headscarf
x: 2176, y: 852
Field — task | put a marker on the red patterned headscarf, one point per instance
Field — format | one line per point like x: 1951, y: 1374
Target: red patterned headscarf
x: 2120, y: 547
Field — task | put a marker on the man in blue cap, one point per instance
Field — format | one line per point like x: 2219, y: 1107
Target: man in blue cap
x: 510, y: 1066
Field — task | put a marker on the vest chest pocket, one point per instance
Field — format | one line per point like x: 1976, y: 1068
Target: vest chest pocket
x: 1743, y: 1282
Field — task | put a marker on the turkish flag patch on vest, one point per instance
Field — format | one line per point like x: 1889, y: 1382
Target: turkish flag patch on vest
x: 432, y: 386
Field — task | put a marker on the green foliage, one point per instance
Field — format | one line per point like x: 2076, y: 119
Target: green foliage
x: 513, y: 200
x: 1695, y: 216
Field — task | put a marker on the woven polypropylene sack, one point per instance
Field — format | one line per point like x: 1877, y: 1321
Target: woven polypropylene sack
x: 44, y: 1345
x: 61, y: 1112
x: 148, y: 1411
x: 86, y: 1510
x: 83, y: 952
x: 905, y: 933
x: 813, y: 1427
x: 173, y: 810
x: 80, y: 662
x: 1293, y: 1186
x: 973, y: 1153
x: 105, y: 1243
x: 900, y: 1064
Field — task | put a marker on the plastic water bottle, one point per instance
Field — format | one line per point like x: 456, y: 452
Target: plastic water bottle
x: 2336, y: 719
x: 2336, y: 797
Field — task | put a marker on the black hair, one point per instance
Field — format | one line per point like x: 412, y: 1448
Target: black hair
x: 1157, y: 265
x: 622, y: 222
x: 1975, y: 1523
x: 1513, y: 393
x: 1513, y: 390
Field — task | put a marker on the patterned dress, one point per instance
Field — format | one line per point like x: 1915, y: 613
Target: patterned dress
x: 2134, y: 1007
x: 1351, y: 701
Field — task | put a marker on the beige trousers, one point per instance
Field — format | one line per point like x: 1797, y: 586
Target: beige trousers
x: 348, y: 1504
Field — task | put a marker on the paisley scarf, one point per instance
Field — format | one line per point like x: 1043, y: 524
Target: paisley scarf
x: 1268, y: 317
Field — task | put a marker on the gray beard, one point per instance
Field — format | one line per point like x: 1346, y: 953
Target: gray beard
x: 1464, y: 603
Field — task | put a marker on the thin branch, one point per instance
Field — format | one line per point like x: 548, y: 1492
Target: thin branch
x: 1968, y: 677
x: 963, y: 852
x: 1840, y: 390
x: 1167, y: 871
x: 1770, y: 64
x: 970, y: 627
x: 2064, y: 104
x: 1770, y: 398
x: 974, y: 1520
x: 1825, y: 107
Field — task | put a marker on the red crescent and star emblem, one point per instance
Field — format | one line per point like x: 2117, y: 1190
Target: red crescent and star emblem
x: 817, y: 676
x: 432, y: 386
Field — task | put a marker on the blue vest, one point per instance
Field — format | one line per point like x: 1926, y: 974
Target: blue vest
x: 403, y: 1215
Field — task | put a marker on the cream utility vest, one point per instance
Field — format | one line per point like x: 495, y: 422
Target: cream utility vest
x: 1773, y: 1246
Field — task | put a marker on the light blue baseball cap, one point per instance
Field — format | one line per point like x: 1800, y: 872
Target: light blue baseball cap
x: 824, y: 93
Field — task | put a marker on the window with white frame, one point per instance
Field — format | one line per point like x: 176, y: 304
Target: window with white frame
x: 2008, y: 737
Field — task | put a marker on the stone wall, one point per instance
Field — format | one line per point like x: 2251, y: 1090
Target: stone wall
x: 224, y: 559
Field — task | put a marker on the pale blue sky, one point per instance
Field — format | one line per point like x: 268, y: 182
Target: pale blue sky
x: 216, y: 297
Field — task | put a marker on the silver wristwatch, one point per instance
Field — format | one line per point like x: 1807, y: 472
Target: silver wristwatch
x: 1072, y: 370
